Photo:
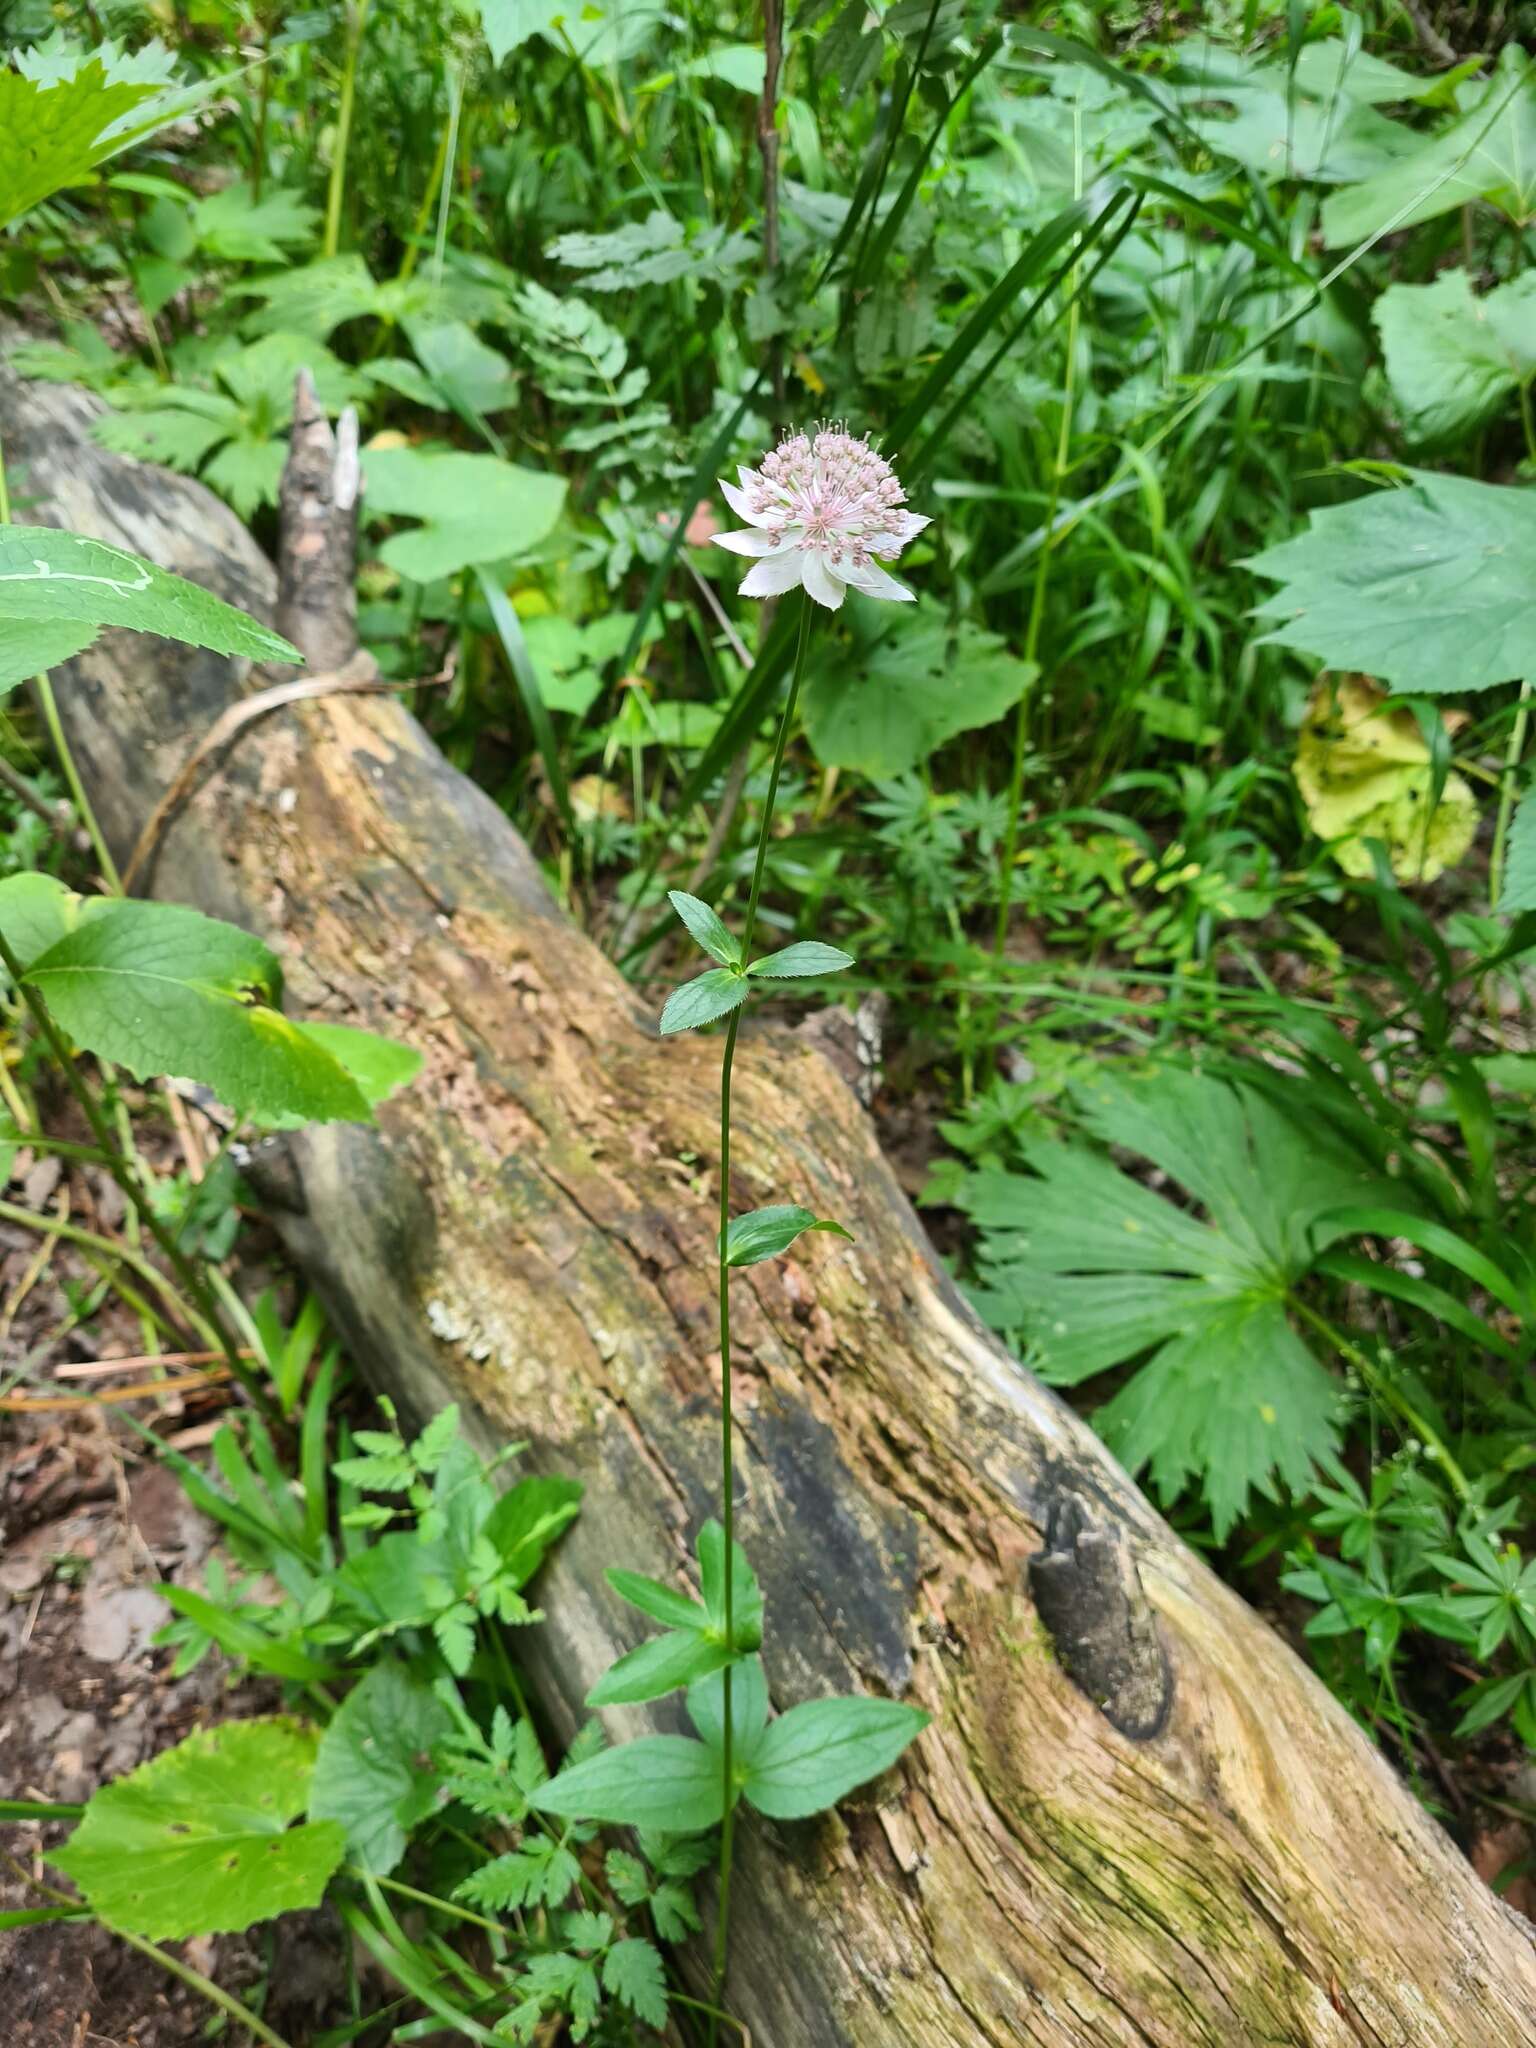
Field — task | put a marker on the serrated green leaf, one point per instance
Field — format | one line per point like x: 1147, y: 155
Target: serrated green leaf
x: 1427, y: 586
x: 30, y: 647
x: 906, y: 685
x: 660, y: 1781
x: 197, y: 1841
x: 473, y: 508
x: 163, y: 990
x: 765, y: 1233
x: 817, y: 1753
x: 1452, y: 359
x: 75, y: 111
x: 632, y: 1974
x: 810, y: 956
x: 370, y: 1774
x: 706, y: 997
x: 46, y: 574
x: 658, y: 1667
x: 706, y: 928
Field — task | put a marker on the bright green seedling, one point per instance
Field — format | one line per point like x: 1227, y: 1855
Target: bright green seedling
x: 719, y: 990
x: 799, y: 1764
x: 697, y: 1641
x: 199, y: 1840
x: 764, y: 1233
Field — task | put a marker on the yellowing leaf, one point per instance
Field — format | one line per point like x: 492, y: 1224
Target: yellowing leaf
x: 1364, y: 772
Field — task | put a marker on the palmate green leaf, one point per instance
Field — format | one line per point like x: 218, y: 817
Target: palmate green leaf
x: 1488, y: 152
x: 197, y: 1841
x: 665, y: 1782
x: 1519, y: 890
x: 48, y: 575
x: 1427, y: 586
x: 706, y: 928
x: 473, y: 508
x: 810, y: 956
x: 1095, y: 1271
x: 162, y: 990
x: 373, y: 1771
x: 1453, y: 360
x: 705, y: 998
x: 30, y: 647
x: 909, y: 682
x: 764, y: 1233
x: 82, y: 108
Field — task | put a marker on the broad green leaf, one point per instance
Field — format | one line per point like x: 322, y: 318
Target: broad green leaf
x: 662, y: 1603
x: 376, y: 1066
x: 197, y: 1841
x: 1519, y: 890
x: 37, y: 910
x: 739, y: 64
x: 1365, y: 772
x: 906, y: 685
x: 749, y: 1710
x: 662, y: 1782
x: 1427, y: 586
x: 746, y: 1594
x: 1488, y: 152
x: 54, y: 576
x: 819, y: 1752
x: 162, y: 990
x: 658, y: 1667
x: 527, y: 1519
x: 373, y: 1771
x: 470, y: 378
x: 706, y: 927
x: 1095, y: 1271
x: 1452, y: 359
x: 705, y: 998
x: 810, y: 956
x: 764, y: 1233
x: 473, y: 508
x: 1282, y: 131
x: 29, y: 647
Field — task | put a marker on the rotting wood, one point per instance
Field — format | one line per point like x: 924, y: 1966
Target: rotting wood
x: 529, y: 1233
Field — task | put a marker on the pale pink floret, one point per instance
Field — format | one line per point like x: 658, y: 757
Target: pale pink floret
x: 818, y: 511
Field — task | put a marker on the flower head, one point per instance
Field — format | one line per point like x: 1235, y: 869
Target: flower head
x: 819, y: 510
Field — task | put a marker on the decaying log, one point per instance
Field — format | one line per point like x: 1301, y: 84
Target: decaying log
x: 1137, y: 1821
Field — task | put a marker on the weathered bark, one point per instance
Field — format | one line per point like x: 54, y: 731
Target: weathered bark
x: 1137, y: 1820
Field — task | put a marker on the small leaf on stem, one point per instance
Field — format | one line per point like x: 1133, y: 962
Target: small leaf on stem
x: 810, y: 956
x: 705, y: 998
x: 764, y: 1233
x: 706, y: 928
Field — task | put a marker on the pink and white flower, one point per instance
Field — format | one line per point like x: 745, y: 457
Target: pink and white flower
x: 819, y: 510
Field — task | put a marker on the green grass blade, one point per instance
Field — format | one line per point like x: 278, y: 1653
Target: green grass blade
x: 509, y: 631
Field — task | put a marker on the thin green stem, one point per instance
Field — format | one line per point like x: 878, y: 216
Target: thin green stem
x: 727, y: 1458
x: 1512, y: 757
x: 206, y: 1988
x: 1382, y: 1387
x: 338, y: 179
